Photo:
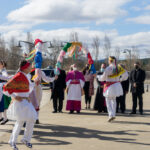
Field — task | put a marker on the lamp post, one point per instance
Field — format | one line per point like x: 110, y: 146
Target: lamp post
x: 19, y: 43
x: 32, y: 44
x: 129, y: 51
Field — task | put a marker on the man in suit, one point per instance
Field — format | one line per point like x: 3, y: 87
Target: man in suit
x: 137, y: 78
x: 58, y: 88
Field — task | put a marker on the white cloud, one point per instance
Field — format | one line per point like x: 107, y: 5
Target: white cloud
x: 147, y: 7
x: 16, y: 26
x: 140, y: 39
x: 41, y: 11
x: 144, y: 19
x: 135, y: 8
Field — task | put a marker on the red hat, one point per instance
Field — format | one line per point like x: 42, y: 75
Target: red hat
x: 37, y: 41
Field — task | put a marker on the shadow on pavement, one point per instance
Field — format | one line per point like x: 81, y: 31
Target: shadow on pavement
x: 78, y: 132
x: 131, y: 122
x: 45, y: 134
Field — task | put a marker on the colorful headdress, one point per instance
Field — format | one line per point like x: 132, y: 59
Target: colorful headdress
x: 37, y: 41
x: 25, y: 66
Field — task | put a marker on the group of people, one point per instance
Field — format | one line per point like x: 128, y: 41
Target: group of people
x: 21, y: 95
x: 112, y: 87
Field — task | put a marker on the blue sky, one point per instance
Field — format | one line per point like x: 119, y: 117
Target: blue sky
x: 120, y: 24
x: 126, y: 22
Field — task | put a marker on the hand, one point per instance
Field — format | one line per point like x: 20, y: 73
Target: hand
x: 56, y: 77
x: 126, y: 92
x: 94, y: 75
x: 37, y: 82
x: 134, y: 85
x: 28, y: 100
x: 18, y: 98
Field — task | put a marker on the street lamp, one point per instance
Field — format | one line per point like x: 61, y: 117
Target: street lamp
x: 129, y: 51
x: 19, y: 43
x: 32, y: 44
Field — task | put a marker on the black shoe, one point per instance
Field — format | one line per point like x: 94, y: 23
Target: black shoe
x: 24, y: 125
x: 13, y: 145
x: 78, y: 112
x: 122, y: 112
x: 60, y: 111
x: 1, y: 119
x: 37, y: 121
x: 71, y: 112
x: 132, y: 113
x: 28, y: 144
x: 4, y: 122
x: 54, y: 111
x: 141, y: 113
x: 99, y: 111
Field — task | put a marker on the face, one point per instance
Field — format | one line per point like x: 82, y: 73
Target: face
x: 103, y: 66
x: 1, y: 66
x: 39, y: 46
x: 136, y: 66
x: 28, y: 69
x: 109, y: 62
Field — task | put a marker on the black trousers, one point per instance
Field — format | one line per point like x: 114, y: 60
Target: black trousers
x: 86, y: 91
x: 136, y: 96
x: 121, y: 104
x: 57, y: 103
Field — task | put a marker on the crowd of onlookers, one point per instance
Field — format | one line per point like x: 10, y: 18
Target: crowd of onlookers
x: 135, y: 80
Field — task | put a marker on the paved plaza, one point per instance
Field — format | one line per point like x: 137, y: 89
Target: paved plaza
x: 86, y: 131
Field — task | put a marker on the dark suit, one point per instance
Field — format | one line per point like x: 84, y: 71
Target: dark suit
x: 138, y: 77
x: 58, y: 88
x: 121, y: 100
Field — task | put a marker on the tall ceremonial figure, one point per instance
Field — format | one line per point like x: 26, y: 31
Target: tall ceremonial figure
x: 38, y: 59
x: 37, y: 73
x: 113, y: 75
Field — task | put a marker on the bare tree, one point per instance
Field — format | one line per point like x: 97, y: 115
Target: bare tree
x: 52, y: 53
x: 107, y: 46
x: 74, y: 36
x: 16, y: 54
x: 96, y: 45
x: 29, y: 39
x: 3, y: 54
x: 117, y: 53
x: 132, y: 56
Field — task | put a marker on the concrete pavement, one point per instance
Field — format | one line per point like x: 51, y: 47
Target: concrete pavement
x: 88, y: 130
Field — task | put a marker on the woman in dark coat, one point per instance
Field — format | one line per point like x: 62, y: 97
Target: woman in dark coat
x: 100, y: 103
x: 88, y: 86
